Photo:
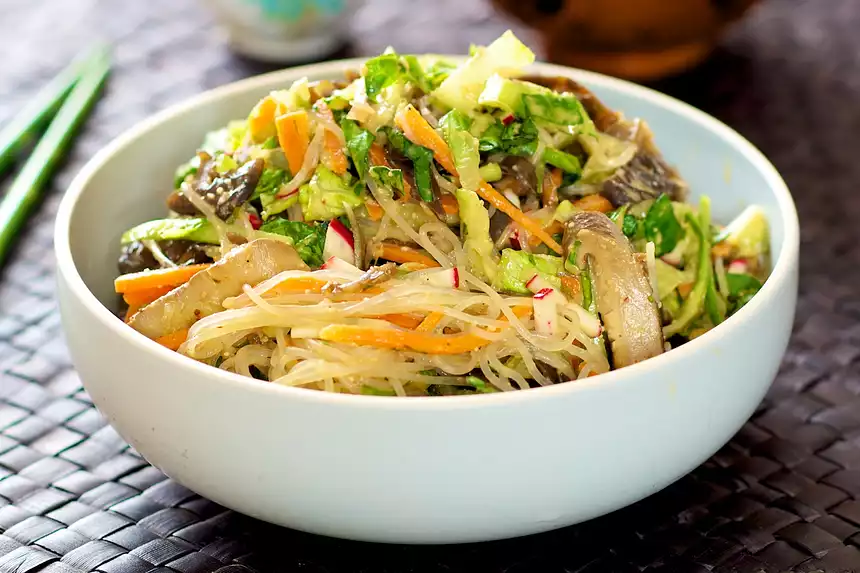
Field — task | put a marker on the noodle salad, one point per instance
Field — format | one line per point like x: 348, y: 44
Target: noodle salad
x: 425, y: 228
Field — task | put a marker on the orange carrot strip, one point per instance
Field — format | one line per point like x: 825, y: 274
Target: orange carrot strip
x: 145, y: 280
x: 297, y: 285
x: 335, y: 155
x: 418, y: 131
x: 403, y: 320
x: 486, y: 191
x: 294, y: 137
x: 553, y: 228
x: 399, y: 339
x: 374, y: 211
x: 143, y: 297
x: 594, y: 203
x: 132, y: 310
x: 401, y: 254
x: 551, y: 183
x: 449, y: 204
x: 721, y: 250
x: 430, y: 322
x: 173, y: 340
x: 261, y: 121
x: 378, y: 158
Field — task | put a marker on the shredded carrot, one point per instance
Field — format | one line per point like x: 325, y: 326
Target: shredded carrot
x: 553, y: 228
x: 486, y: 191
x: 297, y: 285
x: 143, y: 297
x: 261, y: 121
x: 377, y: 155
x: 430, y: 322
x: 378, y: 158
x: 402, y: 319
x: 684, y: 289
x: 132, y: 310
x: 374, y: 211
x: 399, y: 339
x: 551, y: 183
x: 418, y: 131
x: 722, y: 250
x: 401, y: 254
x: 146, y: 280
x: 173, y: 340
x: 594, y: 203
x: 335, y: 156
x: 294, y: 137
x: 449, y: 204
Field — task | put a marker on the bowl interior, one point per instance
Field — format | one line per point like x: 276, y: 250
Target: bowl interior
x: 130, y: 180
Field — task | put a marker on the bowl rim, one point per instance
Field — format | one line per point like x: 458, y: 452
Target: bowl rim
x: 782, y: 267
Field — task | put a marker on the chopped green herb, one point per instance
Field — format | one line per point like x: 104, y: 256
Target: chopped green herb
x: 387, y: 177
x: 421, y: 157
x: 661, y: 226
x: 358, y: 142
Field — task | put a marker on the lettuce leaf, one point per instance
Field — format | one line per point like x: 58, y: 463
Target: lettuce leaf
x: 564, y: 161
x: 517, y: 267
x: 308, y: 240
x: 324, y: 196
x: 358, y: 142
x: 198, y: 230
x: 478, y: 245
x: 464, y: 148
x: 505, y: 57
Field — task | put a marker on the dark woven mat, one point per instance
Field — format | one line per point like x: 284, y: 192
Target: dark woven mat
x: 784, y: 495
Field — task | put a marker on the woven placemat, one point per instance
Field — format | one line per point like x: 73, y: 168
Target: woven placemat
x: 784, y: 495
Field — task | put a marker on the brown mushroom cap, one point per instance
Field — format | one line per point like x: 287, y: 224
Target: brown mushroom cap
x: 621, y: 287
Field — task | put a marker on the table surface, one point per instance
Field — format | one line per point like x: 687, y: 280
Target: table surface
x: 784, y: 495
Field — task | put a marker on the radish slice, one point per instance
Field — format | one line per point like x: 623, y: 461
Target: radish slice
x: 589, y: 323
x: 544, y: 289
x: 446, y: 278
x: 339, y: 242
x: 545, y: 313
x: 339, y: 265
x: 738, y: 267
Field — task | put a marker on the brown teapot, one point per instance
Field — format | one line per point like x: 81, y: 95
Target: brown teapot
x: 636, y: 39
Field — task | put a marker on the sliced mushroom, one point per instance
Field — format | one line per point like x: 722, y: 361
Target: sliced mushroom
x: 201, y: 296
x: 621, y: 287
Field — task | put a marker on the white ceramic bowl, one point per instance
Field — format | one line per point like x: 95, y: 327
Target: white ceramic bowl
x: 419, y: 470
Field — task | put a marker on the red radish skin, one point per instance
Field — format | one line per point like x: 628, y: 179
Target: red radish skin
x: 543, y: 293
x: 508, y: 119
x: 255, y: 221
x: 339, y: 242
x: 456, y: 278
